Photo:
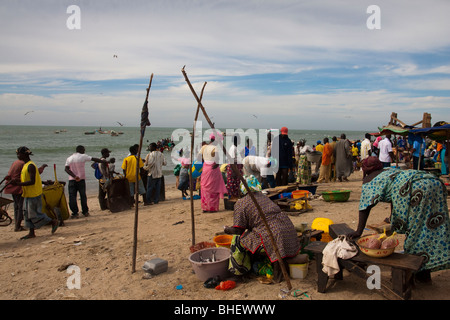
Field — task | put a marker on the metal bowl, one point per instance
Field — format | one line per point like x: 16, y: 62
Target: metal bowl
x: 314, y: 156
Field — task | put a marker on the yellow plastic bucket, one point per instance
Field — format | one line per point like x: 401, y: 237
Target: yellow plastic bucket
x: 299, y: 194
x: 223, y: 240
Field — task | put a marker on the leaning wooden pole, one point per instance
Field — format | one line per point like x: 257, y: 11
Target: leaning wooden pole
x: 241, y: 178
x: 191, y: 182
x: 144, y: 123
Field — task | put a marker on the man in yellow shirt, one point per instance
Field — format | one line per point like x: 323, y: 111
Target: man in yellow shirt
x: 129, y: 170
x: 30, y: 181
x: 319, y: 148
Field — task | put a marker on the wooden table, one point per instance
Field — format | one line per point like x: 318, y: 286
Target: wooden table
x: 403, y: 266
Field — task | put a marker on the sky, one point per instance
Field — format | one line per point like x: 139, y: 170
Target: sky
x: 313, y: 65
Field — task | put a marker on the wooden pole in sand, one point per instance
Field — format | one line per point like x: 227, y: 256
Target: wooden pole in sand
x: 191, y: 182
x: 249, y: 192
x: 144, y: 123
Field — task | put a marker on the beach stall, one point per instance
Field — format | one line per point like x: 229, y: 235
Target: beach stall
x: 439, y: 132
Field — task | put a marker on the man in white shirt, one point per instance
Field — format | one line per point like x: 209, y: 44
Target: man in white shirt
x: 366, y: 147
x: 260, y: 167
x: 386, y: 154
x: 75, y: 168
x: 154, y: 161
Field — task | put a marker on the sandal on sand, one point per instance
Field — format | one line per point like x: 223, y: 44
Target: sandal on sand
x: 55, y: 225
x: 27, y: 237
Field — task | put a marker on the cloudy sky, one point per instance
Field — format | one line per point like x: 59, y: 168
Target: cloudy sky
x: 302, y: 64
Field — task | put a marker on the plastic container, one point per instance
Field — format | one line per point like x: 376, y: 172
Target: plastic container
x: 298, y: 271
x: 300, y: 194
x: 323, y: 224
x: 156, y: 266
x: 285, y: 195
x: 223, y: 240
x: 336, y: 195
x: 204, y: 269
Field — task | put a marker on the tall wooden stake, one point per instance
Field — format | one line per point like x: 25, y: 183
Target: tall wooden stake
x: 191, y: 182
x: 144, y: 123
x: 238, y: 174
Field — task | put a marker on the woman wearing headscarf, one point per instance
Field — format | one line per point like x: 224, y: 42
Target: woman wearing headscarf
x: 304, y: 172
x: 375, y: 148
x: 212, y: 185
x: 250, y: 234
x: 418, y: 209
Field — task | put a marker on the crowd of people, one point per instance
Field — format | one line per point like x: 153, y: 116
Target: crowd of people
x: 26, y: 187
x: 329, y: 160
x: 334, y: 160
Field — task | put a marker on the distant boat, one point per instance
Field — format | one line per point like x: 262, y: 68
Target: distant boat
x: 57, y: 131
x: 114, y: 133
x: 90, y: 132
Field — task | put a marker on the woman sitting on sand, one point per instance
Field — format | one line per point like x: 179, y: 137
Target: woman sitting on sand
x: 250, y: 234
x: 418, y: 209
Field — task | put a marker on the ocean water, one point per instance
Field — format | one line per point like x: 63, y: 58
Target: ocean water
x: 54, y: 148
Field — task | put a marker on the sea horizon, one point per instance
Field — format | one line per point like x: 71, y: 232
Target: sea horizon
x: 54, y: 148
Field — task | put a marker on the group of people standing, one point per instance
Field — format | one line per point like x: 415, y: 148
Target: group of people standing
x: 26, y: 187
x: 335, y: 161
x: 270, y: 170
x: 149, y: 173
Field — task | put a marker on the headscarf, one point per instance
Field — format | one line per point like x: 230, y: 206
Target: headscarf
x: 253, y: 184
x: 375, y: 144
x: 371, y: 164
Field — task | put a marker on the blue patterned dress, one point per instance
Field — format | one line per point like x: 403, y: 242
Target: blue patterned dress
x: 419, y: 210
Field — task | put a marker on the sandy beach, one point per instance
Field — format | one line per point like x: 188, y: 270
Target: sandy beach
x: 101, y: 246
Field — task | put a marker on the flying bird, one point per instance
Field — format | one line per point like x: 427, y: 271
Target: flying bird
x: 115, y: 56
x: 255, y: 116
x: 119, y: 123
x: 28, y: 112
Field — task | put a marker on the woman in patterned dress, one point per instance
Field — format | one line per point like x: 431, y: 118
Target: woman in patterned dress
x: 419, y: 210
x: 232, y: 179
x: 251, y: 236
x: 304, y: 172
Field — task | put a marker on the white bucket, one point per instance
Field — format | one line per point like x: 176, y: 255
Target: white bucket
x: 298, y: 271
